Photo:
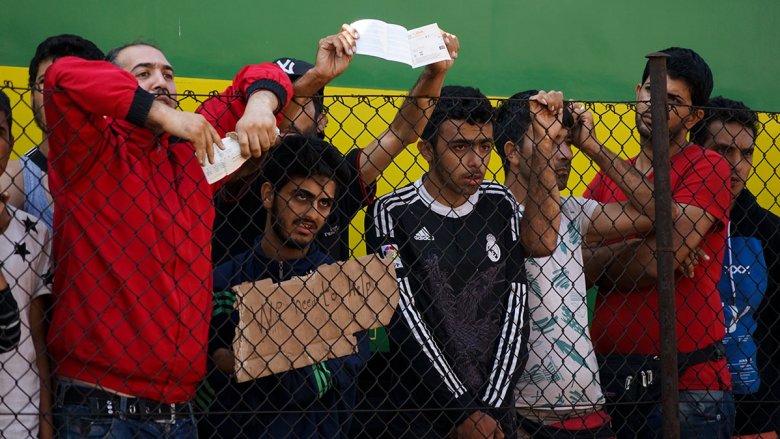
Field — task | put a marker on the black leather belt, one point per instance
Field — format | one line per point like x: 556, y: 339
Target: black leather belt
x: 101, y: 402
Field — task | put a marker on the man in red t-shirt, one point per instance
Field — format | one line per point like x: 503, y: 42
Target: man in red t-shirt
x: 626, y: 315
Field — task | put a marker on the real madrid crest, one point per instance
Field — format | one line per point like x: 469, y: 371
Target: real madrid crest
x: 492, y: 248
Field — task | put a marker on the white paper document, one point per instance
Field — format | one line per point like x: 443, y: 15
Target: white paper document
x: 226, y: 161
x: 416, y: 47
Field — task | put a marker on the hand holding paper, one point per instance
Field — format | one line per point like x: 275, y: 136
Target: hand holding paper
x: 226, y: 161
x: 417, y: 47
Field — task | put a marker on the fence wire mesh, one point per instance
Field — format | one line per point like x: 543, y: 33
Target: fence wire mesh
x: 511, y: 309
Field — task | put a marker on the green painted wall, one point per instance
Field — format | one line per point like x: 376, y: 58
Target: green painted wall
x: 590, y: 49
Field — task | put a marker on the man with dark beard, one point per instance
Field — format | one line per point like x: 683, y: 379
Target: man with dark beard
x: 239, y: 217
x: 625, y: 328
x: 302, y: 175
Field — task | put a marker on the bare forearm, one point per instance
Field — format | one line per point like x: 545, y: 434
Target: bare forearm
x: 405, y: 128
x: 262, y: 102
x: 632, y: 266
x: 638, y: 188
x: 310, y: 83
x: 539, y: 232
x: 596, y: 261
x: 417, y: 107
x: 303, y: 89
x: 159, y: 117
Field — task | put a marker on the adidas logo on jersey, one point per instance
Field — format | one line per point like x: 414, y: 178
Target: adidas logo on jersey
x: 423, y: 235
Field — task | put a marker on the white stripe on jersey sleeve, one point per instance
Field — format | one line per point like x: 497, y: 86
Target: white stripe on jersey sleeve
x: 382, y: 219
x: 383, y: 223
x: 424, y: 337
x: 497, y: 189
x: 509, y: 347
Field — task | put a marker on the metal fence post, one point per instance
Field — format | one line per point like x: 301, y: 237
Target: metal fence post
x: 665, y: 250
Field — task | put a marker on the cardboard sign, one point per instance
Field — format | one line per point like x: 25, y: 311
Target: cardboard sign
x: 309, y: 319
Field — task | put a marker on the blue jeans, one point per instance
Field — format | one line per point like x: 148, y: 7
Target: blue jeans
x: 703, y: 414
x: 74, y: 421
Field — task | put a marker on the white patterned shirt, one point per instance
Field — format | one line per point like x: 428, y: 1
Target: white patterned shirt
x: 562, y: 371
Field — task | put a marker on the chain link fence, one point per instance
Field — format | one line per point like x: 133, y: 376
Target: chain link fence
x: 482, y: 328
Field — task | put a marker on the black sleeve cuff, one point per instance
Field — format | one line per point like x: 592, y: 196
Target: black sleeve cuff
x: 272, y: 86
x: 139, y: 108
x: 466, y: 405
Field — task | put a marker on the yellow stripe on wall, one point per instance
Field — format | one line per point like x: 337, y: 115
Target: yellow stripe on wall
x: 365, y: 113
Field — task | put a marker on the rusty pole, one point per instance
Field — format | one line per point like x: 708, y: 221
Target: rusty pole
x: 665, y: 251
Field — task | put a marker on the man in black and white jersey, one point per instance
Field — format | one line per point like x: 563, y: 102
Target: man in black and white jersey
x: 457, y: 340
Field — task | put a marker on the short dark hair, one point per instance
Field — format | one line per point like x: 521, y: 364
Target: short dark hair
x: 62, y: 45
x: 303, y: 156
x: 5, y: 107
x: 725, y: 110
x: 458, y: 103
x: 689, y: 66
x: 513, y: 119
x: 114, y: 53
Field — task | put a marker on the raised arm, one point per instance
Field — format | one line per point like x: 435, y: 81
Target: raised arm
x: 80, y: 93
x: 334, y: 54
x: 411, y: 118
x: 541, y: 220
x: 614, y: 220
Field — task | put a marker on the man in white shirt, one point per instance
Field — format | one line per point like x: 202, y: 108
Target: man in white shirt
x: 559, y: 390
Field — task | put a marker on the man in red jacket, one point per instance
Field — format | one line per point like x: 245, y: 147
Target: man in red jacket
x: 133, y: 223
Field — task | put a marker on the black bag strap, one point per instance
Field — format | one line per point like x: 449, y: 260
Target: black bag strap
x: 713, y: 352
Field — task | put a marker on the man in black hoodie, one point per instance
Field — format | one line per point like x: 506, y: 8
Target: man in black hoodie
x: 749, y: 284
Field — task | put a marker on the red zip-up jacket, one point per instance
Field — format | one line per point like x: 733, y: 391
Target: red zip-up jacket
x: 132, y: 244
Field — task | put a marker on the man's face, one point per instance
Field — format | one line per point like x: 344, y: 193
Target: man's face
x: 36, y: 95
x: 562, y: 157
x: 736, y: 143
x: 152, y: 70
x: 6, y: 141
x: 681, y: 116
x: 299, y: 210
x: 461, y: 154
